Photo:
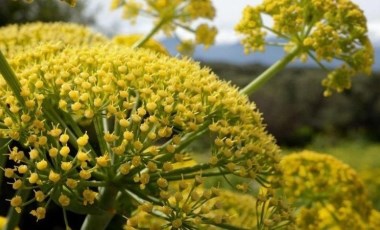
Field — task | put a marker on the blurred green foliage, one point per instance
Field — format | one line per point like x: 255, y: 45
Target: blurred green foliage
x: 296, y: 111
x: 40, y: 10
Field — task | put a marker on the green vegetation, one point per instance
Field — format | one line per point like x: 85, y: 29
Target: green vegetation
x: 296, y: 111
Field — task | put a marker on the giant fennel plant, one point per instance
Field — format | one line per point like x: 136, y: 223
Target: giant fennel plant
x: 103, y: 129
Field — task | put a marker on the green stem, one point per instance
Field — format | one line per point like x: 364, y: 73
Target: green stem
x: 99, y: 129
x: 270, y: 72
x: 11, y: 79
x: 146, y: 38
x: 107, y: 203
x: 4, y: 143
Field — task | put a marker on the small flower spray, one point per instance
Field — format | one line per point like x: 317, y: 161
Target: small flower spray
x: 321, y: 30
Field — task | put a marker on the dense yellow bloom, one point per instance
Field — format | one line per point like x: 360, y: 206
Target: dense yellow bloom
x: 328, y: 192
x: 223, y: 206
x: 129, y: 40
x: 200, y: 9
x: 17, y: 38
x: 322, y: 30
x: 124, y: 116
x: 374, y: 220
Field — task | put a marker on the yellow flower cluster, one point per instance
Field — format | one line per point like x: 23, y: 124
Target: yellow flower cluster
x: 173, y: 14
x: 322, y: 30
x: 129, y: 40
x: 223, y: 207
x: 328, y: 192
x: 17, y: 38
x: 99, y: 114
x: 186, y: 204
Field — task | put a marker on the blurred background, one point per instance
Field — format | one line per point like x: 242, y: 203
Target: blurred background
x: 345, y: 125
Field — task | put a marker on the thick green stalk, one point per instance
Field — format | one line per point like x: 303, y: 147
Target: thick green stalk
x: 107, y: 202
x: 11, y: 78
x: 270, y: 72
x: 154, y: 30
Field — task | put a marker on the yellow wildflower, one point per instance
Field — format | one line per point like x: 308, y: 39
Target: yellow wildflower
x: 323, y: 30
x: 128, y: 92
x: 205, y: 35
x: 16, y: 38
x: 331, y: 188
x: 129, y: 40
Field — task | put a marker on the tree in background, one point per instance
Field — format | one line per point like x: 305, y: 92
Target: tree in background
x: 45, y: 11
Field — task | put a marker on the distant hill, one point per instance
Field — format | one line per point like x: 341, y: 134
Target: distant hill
x: 234, y: 54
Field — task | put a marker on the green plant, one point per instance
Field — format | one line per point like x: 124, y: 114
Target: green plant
x: 102, y: 129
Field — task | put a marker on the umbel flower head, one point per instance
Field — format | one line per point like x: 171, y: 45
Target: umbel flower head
x: 226, y: 209
x: 16, y: 38
x: 322, y: 30
x: 99, y: 118
x: 327, y: 191
x: 129, y: 40
x: 171, y: 15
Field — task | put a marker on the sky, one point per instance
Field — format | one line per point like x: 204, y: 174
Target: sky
x: 228, y: 14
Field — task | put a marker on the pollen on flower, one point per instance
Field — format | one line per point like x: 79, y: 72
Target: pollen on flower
x: 85, y: 174
x: 42, y: 165
x: 33, y: 154
x: 39, y: 195
x: 64, y: 151
x: 54, y: 177
x: 9, y: 173
x: 33, y: 178
x: 39, y: 213
x: 66, y: 166
x: 124, y: 168
x: 17, y: 184
x: 102, y: 161
x: 53, y: 152
x: 89, y: 196
x: 22, y: 169
x: 64, y: 138
x: 82, y: 156
x: 64, y: 200
x: 83, y: 140
x: 16, y: 201
x: 71, y: 183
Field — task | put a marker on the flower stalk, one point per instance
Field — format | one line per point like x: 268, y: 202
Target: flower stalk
x: 270, y: 72
x: 148, y: 36
x: 107, y: 202
x: 11, y: 79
